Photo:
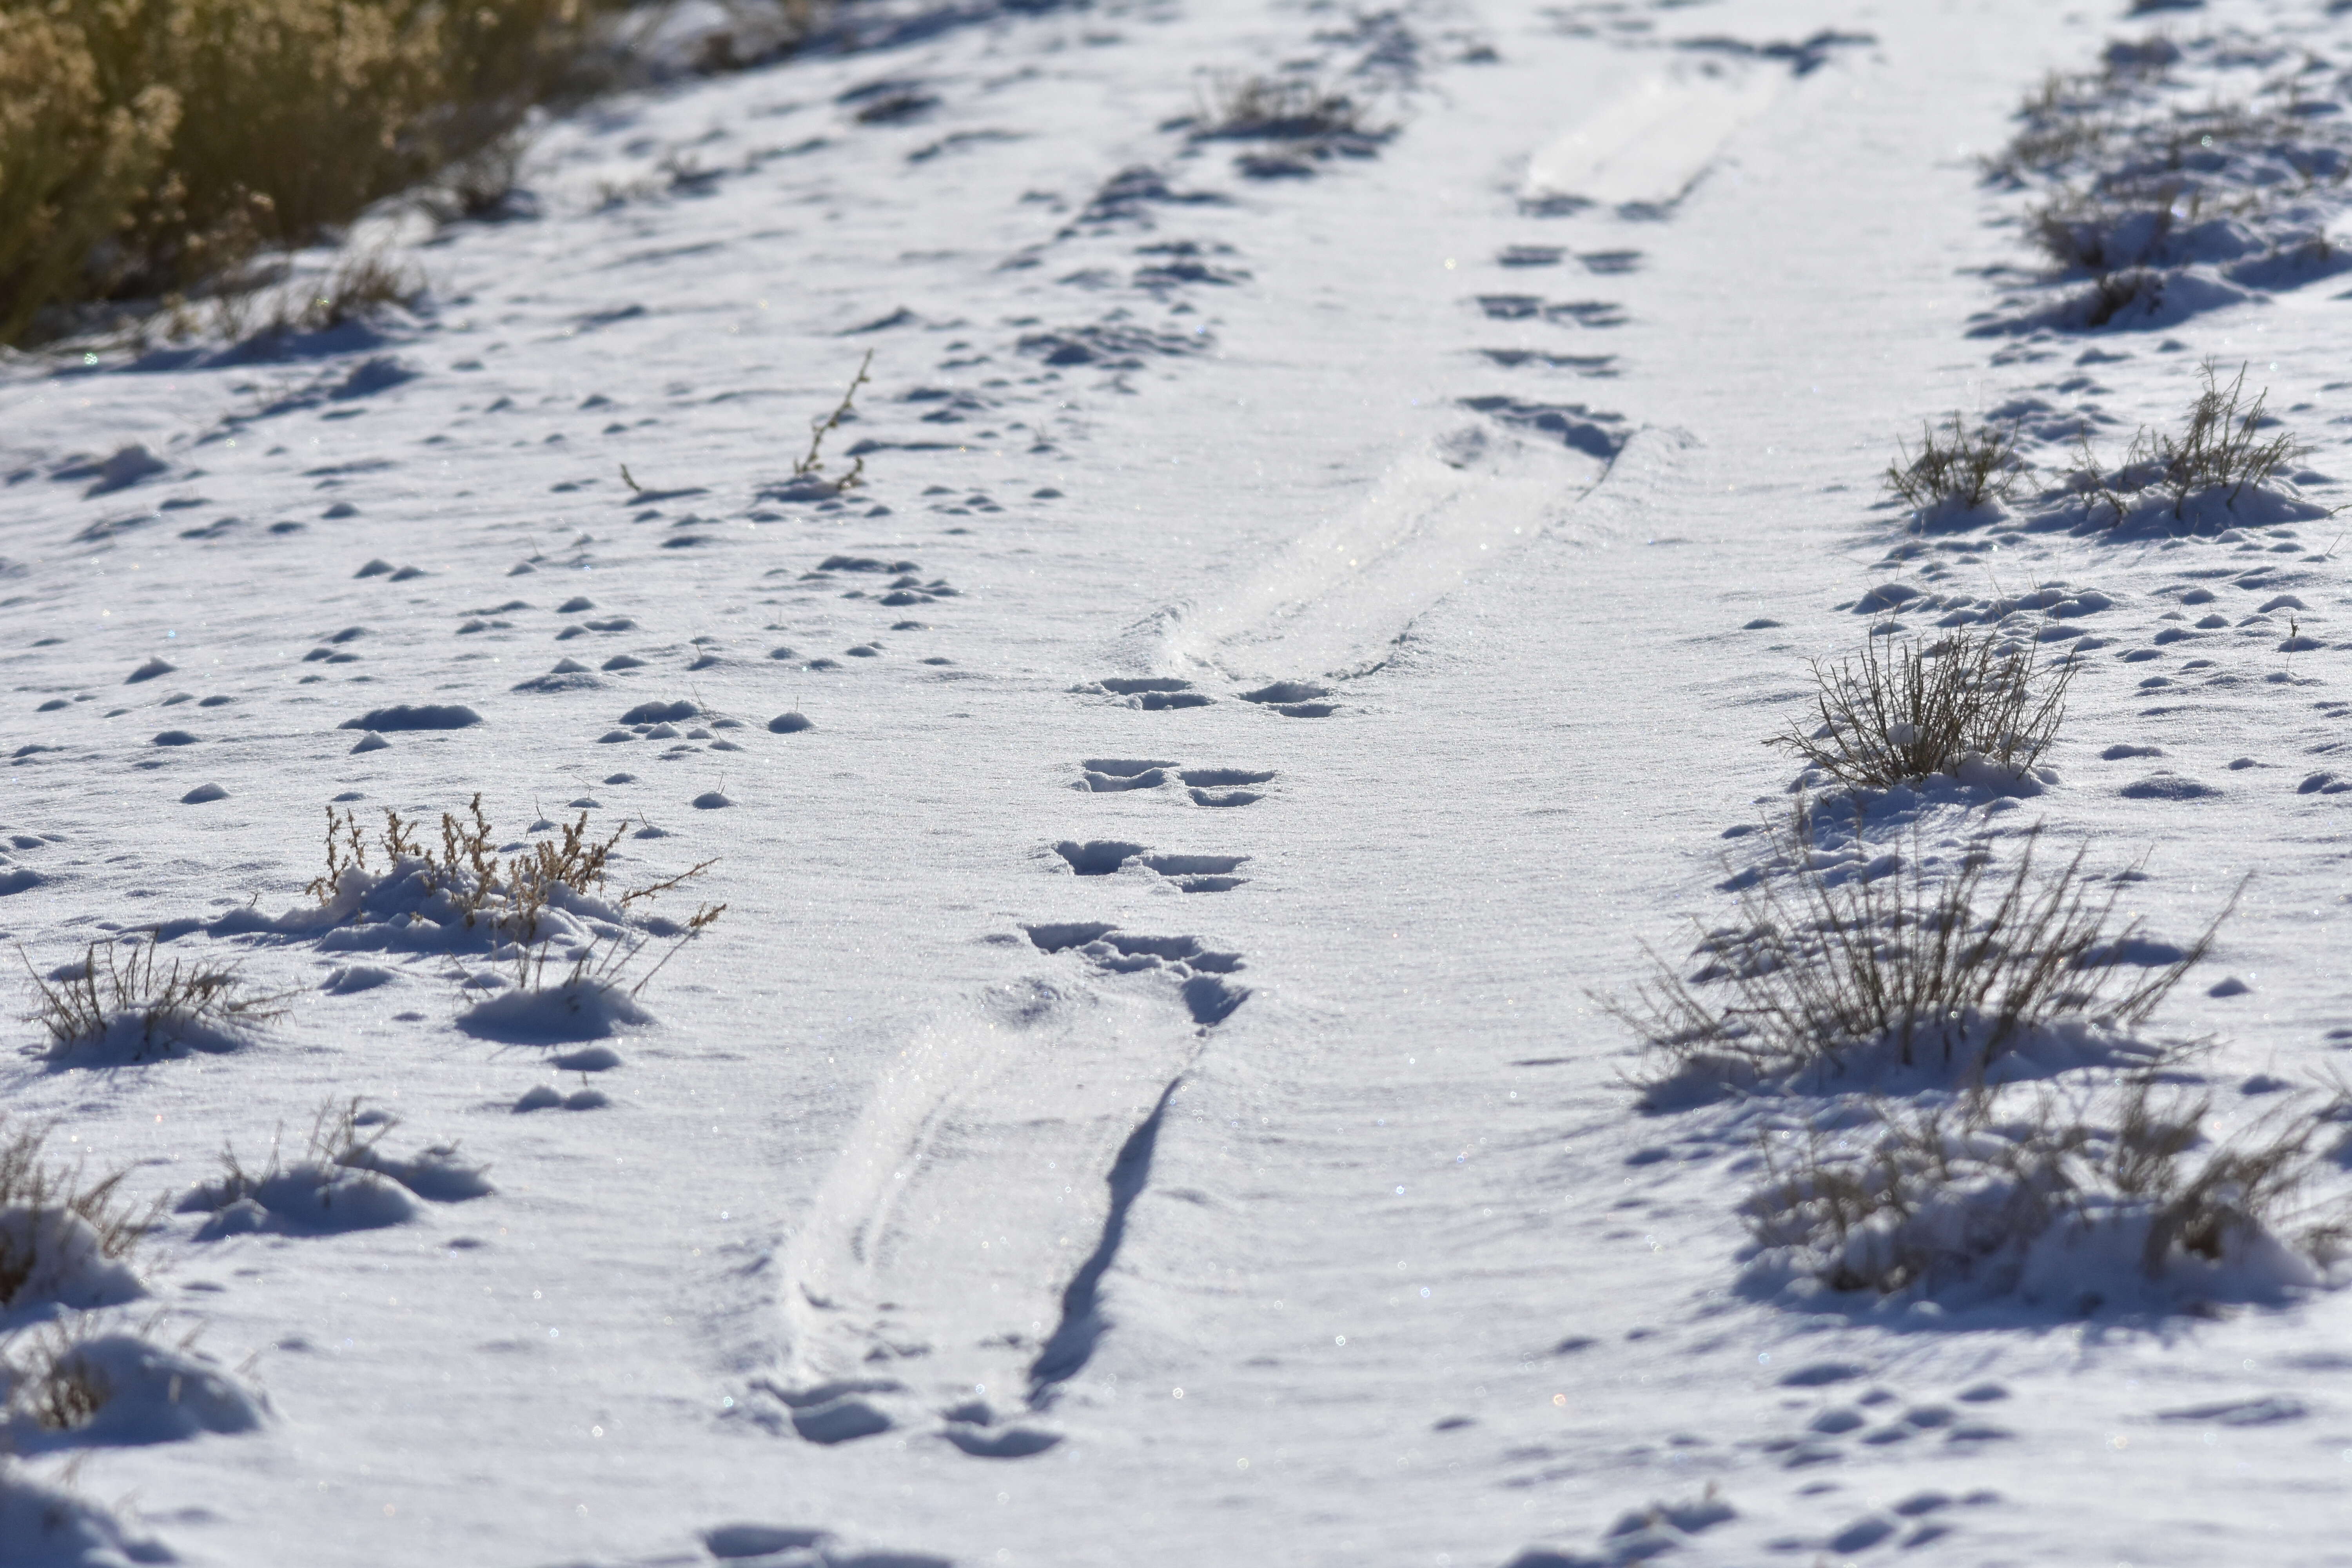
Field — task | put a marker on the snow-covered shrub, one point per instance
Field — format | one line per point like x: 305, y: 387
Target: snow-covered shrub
x: 561, y: 944
x: 46, y: 1526
x: 2165, y: 203
x: 1898, y: 968
x: 75, y: 1384
x: 1908, y: 710
x: 1997, y: 1194
x: 2216, y: 459
x: 1263, y: 108
x: 344, y: 1182
x: 1961, y: 467
x: 63, y: 1243
x: 119, y: 1006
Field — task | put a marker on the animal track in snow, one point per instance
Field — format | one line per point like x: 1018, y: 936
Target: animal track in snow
x: 1532, y: 308
x: 1293, y: 699
x: 1588, y: 430
x: 1598, y: 366
x: 1193, y: 873
x: 1150, y: 693
x: 1204, y: 786
x: 1202, y: 974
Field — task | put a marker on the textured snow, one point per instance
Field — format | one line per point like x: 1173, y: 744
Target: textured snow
x: 1303, y: 631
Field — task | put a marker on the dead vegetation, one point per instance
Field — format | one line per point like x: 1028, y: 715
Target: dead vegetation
x: 1908, y: 710
x: 1958, y: 1194
x: 1969, y: 465
x: 1902, y: 964
x: 2218, y: 449
x: 812, y: 465
x: 512, y: 894
x: 146, y: 148
x: 510, y: 900
x: 33, y: 1189
x: 51, y: 1382
x: 121, y: 997
x: 1237, y: 107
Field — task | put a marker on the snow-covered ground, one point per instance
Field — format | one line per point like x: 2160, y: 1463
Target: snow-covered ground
x: 1306, y: 623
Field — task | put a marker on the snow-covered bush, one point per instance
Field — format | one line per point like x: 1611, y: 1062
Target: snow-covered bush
x: 46, y: 1526
x: 63, y: 1243
x: 78, y: 1385
x: 1961, y: 467
x: 1900, y: 968
x: 2215, y: 459
x: 344, y: 1182
x: 1908, y: 710
x: 562, y: 947
x: 2125, y: 1200
x: 118, y: 1006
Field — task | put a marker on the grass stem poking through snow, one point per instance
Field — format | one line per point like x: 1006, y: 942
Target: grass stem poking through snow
x: 1907, y: 709
x: 1999, y: 1192
x: 1875, y: 971
x: 1965, y: 464
x: 120, y: 998
x: 60, y: 1236
x: 812, y: 465
x: 2216, y: 451
x: 1258, y: 108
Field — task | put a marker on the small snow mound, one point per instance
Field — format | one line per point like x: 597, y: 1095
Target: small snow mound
x: 2167, y: 787
x: 128, y: 465
x: 313, y: 1198
x: 149, y: 671
x: 174, y: 738
x: 416, y: 716
x: 204, y: 794
x: 49, y: 1527
x: 64, y: 1260
x: 660, y: 713
x: 582, y: 1009
x: 371, y: 741
x: 152, y: 1394
x: 710, y: 800
x: 789, y: 724
x: 355, y: 977
x: 730, y: 1541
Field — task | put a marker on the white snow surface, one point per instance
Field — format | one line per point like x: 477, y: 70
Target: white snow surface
x: 1304, y: 628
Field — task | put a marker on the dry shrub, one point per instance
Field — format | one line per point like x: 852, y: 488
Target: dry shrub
x: 29, y: 1183
x: 2217, y: 449
x: 1999, y: 1192
x: 1878, y: 968
x: 1269, y: 108
x: 467, y: 865
x: 1970, y: 466
x: 1908, y: 710
x: 146, y: 145
x: 50, y: 1381
x: 510, y: 897
x: 120, y: 999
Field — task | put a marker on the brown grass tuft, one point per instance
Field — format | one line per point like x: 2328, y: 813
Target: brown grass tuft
x: 120, y: 984
x: 1847, y: 968
x: 1908, y: 710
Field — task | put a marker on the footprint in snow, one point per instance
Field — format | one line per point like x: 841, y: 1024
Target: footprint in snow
x: 1151, y: 693
x: 1293, y: 699
x: 1192, y: 873
x: 1202, y: 974
x: 1206, y: 786
x: 1563, y: 313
